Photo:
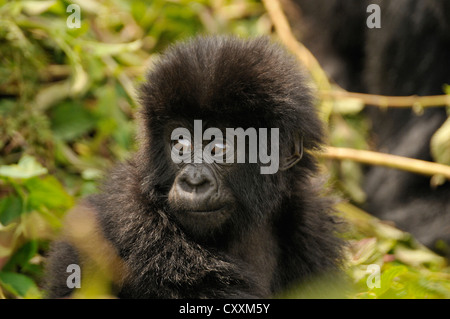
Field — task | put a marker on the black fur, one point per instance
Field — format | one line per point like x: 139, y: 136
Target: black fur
x: 408, y: 55
x: 281, y: 231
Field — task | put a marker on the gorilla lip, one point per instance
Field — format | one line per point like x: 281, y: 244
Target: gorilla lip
x: 206, y: 211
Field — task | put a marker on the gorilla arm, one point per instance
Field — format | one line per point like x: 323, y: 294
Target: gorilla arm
x: 84, y: 244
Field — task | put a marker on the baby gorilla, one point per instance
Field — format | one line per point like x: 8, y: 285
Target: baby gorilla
x: 193, y: 225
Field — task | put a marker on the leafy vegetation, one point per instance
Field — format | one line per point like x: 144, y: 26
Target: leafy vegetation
x: 67, y: 112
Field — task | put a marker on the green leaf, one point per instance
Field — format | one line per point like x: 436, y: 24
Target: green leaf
x: 417, y: 257
x: 71, y: 120
x: 47, y: 192
x: 22, y: 255
x: 364, y: 249
x: 19, y: 285
x: 440, y: 144
x: 447, y: 89
x: 26, y: 168
x: 388, y: 276
x: 10, y: 209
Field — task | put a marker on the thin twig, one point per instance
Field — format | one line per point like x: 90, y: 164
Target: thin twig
x: 388, y: 160
x: 391, y: 101
x: 286, y: 36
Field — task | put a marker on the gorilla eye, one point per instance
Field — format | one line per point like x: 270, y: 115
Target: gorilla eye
x: 219, y: 149
x: 182, y: 145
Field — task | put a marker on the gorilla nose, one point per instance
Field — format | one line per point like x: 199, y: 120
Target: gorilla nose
x: 196, y: 183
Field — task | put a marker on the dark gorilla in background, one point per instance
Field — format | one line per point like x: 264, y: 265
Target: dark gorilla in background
x: 211, y: 230
x: 409, y: 54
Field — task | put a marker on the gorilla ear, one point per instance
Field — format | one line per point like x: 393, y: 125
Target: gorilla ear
x: 295, y: 156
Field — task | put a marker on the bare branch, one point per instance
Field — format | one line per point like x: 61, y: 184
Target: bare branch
x: 390, y: 101
x: 286, y: 36
x: 388, y: 160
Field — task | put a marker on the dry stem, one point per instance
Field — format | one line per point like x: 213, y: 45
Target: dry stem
x: 393, y: 161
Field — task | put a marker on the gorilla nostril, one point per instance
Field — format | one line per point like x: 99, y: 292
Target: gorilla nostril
x: 198, y: 184
x: 203, y: 187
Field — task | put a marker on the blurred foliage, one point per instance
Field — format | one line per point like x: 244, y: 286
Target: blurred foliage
x: 67, y: 110
x: 407, y: 268
x: 31, y: 208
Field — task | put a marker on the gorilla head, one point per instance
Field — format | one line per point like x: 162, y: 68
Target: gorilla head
x: 226, y: 83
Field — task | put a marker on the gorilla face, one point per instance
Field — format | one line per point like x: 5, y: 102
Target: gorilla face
x: 202, y: 197
x: 214, y: 186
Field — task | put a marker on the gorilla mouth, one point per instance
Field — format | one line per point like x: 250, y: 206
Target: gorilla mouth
x: 205, y: 211
x: 201, y: 221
